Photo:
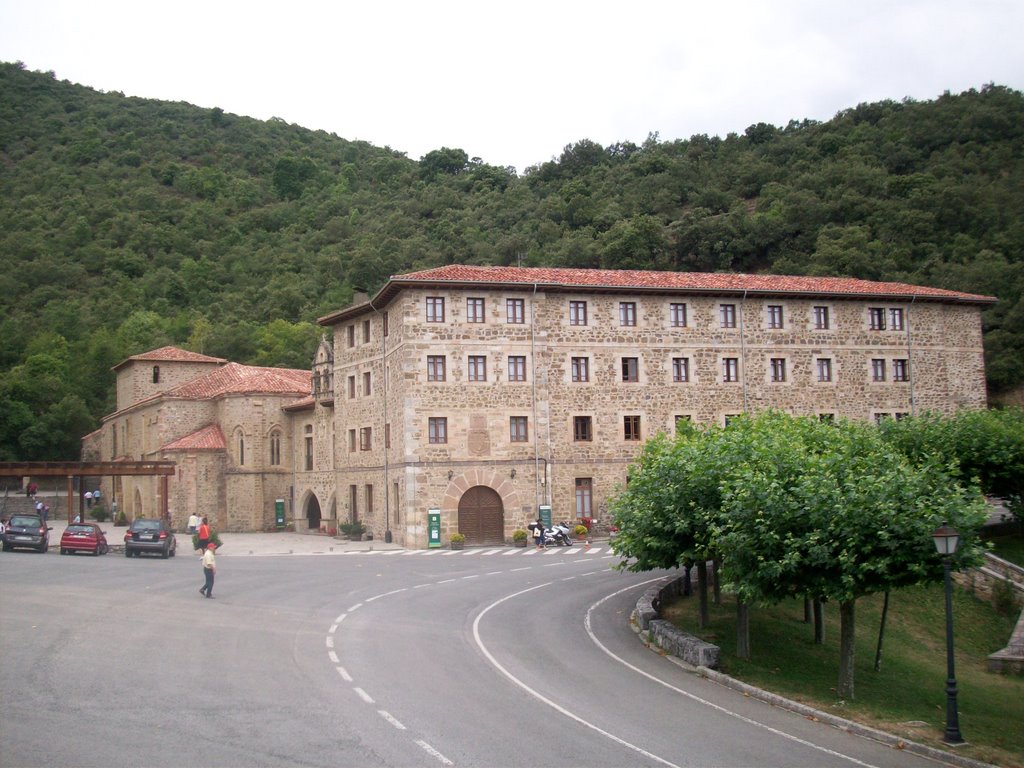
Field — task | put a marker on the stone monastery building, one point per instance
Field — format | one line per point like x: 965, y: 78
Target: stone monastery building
x: 483, y: 393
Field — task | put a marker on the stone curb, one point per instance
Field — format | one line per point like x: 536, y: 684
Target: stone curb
x: 673, y: 585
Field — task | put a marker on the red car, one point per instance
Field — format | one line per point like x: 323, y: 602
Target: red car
x: 83, y: 537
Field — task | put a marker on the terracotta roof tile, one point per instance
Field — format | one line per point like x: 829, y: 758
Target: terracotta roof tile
x: 236, y: 379
x: 169, y: 355
x: 696, y: 281
x: 209, y: 438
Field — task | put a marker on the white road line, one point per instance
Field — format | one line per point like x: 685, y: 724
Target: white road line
x: 344, y: 674
x: 698, y: 699
x: 474, y: 576
x: 446, y: 581
x: 524, y: 568
x: 384, y: 594
x: 537, y: 695
x: 511, y: 552
x: 421, y: 586
x: 364, y: 695
x: 387, y: 716
x: 330, y: 641
x: 355, y: 607
x: 431, y: 751
x: 340, y: 619
x: 333, y: 657
x: 333, y: 629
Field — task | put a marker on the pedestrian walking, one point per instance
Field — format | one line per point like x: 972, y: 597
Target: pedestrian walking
x: 204, y: 535
x: 209, y: 569
x: 538, y: 534
x: 88, y: 499
x: 193, y: 522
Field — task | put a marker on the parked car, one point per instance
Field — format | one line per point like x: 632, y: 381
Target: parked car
x: 146, y: 535
x: 27, y: 532
x: 83, y: 537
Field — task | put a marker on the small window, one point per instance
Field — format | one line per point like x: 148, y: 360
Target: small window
x: 581, y: 369
x: 677, y: 315
x: 896, y: 319
x: 821, y: 319
x: 878, y: 370
x: 309, y: 452
x: 515, y: 310
x: 727, y: 315
x: 368, y: 496
x: 350, y: 336
x: 778, y: 369
x: 680, y: 369
x: 900, y: 370
x: 435, y: 309
x: 365, y: 438
x: 516, y: 368
x: 351, y: 387
x: 577, y: 313
x: 437, y: 430
x: 517, y: 429
x: 156, y: 374
x: 827, y: 418
x: 351, y: 441
x: 631, y: 428
x: 631, y: 369
x: 824, y: 367
x: 775, y: 316
x: 387, y: 435
x: 366, y: 331
x: 876, y: 318
x: 582, y: 428
x: 436, y: 368
x: 474, y: 310
x: 384, y: 320
x: 478, y: 368
x: 627, y: 313
x: 682, y: 418
x: 275, y: 449
x: 730, y: 369
x: 584, y: 497
x: 367, y: 388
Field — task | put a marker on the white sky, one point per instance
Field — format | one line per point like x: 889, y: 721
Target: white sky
x: 513, y: 83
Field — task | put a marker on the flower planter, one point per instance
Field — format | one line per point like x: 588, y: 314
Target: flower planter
x: 457, y: 544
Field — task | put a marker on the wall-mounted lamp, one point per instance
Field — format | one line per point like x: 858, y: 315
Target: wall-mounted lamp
x: 450, y: 475
x: 512, y: 474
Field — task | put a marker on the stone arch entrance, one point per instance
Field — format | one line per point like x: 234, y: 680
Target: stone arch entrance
x: 313, y: 513
x: 482, y: 516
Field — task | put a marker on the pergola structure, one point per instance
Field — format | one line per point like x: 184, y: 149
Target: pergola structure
x: 76, y: 470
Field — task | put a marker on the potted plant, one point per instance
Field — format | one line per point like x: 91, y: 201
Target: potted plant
x: 581, y: 531
x: 519, y: 537
x: 353, y: 530
x: 121, y: 519
x: 457, y: 540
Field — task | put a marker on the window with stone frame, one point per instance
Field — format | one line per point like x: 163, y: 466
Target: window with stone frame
x: 366, y: 331
x: 367, y: 388
x: 351, y: 387
x: 777, y: 367
x: 474, y: 310
x: 631, y: 369
x: 517, y: 367
x: 477, y: 367
x: 275, y: 448
x: 680, y: 369
x: 582, y: 429
x: 627, y: 313
x: 577, y: 313
x: 896, y: 318
x: 900, y: 369
x: 435, y: 309
x: 350, y: 336
x: 436, y: 368
x: 584, y: 497
x: 515, y: 311
x: 824, y: 368
x: 876, y: 318
x: 368, y: 500
x: 631, y: 428
x: 821, y: 318
x: 677, y: 315
x: 518, y: 429
x: 352, y: 441
x: 581, y: 369
x: 878, y: 369
x: 437, y: 430
x: 775, y: 316
x: 730, y: 369
x: 365, y: 438
x: 309, y: 449
x: 727, y: 315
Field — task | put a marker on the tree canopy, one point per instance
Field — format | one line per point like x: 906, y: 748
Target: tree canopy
x: 219, y: 225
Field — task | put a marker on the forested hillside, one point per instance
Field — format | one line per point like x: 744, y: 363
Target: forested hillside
x: 128, y: 223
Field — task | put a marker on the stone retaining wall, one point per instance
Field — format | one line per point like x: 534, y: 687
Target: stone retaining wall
x: 662, y: 633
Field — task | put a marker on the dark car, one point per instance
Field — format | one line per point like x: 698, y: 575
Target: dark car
x: 27, y: 532
x: 83, y: 537
x: 145, y: 535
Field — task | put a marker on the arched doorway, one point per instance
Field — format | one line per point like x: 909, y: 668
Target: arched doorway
x: 482, y: 516
x: 313, y: 513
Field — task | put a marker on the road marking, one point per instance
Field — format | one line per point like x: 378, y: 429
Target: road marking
x: 355, y: 607
x: 384, y: 594
x: 387, y: 716
x: 333, y: 629
x: 333, y: 657
x: 344, y: 674
x: 698, y: 699
x: 330, y: 641
x: 364, y: 695
x: 431, y: 751
x: 446, y: 581
x: 540, y: 697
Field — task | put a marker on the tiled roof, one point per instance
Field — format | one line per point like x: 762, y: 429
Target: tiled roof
x: 642, y: 281
x: 206, y: 439
x: 238, y: 379
x: 696, y: 281
x: 171, y: 355
x: 301, y: 405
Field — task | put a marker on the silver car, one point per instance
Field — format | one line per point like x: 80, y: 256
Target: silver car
x: 147, y: 535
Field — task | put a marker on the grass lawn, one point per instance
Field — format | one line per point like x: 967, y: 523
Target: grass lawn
x: 907, y: 697
x: 1009, y: 548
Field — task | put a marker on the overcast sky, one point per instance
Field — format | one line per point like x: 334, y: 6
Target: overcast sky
x: 513, y: 83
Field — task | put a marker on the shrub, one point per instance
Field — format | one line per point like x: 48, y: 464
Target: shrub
x: 99, y: 513
x: 214, y: 537
x: 457, y: 538
x: 581, y: 530
x: 518, y: 535
x: 352, y: 529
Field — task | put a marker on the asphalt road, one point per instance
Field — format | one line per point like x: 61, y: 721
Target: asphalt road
x: 366, y: 659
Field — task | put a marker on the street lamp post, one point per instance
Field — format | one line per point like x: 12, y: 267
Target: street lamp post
x: 946, y: 540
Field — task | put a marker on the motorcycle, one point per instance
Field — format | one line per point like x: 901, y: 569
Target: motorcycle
x: 557, y: 535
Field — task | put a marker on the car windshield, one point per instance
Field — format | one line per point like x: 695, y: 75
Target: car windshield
x: 146, y: 525
x: 79, y: 529
x: 26, y: 521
